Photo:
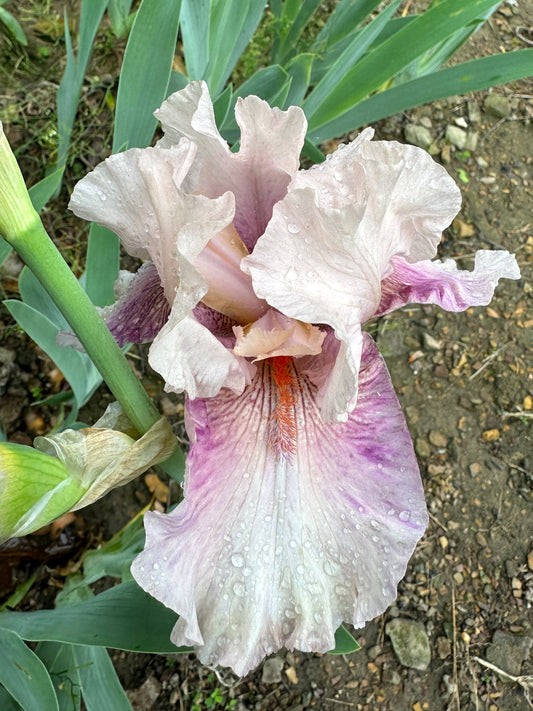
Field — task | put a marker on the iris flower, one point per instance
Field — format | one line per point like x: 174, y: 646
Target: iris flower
x: 302, y: 496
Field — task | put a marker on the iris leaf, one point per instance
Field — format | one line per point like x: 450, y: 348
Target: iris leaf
x: 24, y: 675
x: 111, y: 619
x: 461, y: 79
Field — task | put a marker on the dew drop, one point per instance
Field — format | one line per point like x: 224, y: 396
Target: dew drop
x: 239, y: 589
x: 300, y: 569
x: 293, y: 229
x: 237, y: 560
x: 287, y: 628
x: 246, y: 572
x: 404, y: 515
x: 291, y: 274
x: 156, y: 566
x: 318, y: 617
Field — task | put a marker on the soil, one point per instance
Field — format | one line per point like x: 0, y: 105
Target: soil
x: 465, y: 382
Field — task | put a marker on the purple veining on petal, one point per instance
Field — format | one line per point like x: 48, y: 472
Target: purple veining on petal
x: 140, y: 313
x: 221, y: 326
x: 443, y: 284
x: 268, y: 552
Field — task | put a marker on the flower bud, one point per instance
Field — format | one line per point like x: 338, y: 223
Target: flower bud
x: 72, y: 469
x: 17, y: 213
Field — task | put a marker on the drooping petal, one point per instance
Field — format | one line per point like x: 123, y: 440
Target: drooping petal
x: 274, y: 335
x: 313, y: 265
x: 444, y: 284
x: 141, y: 310
x: 191, y: 359
x: 407, y: 199
x: 270, y: 551
x: 258, y: 175
x: 138, y: 195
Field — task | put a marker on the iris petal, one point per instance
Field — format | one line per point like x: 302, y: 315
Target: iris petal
x: 443, y: 284
x: 258, y: 175
x: 269, y: 550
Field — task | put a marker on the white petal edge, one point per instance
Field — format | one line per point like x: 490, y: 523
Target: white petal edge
x: 190, y: 359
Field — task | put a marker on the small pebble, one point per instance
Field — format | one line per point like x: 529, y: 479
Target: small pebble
x: 410, y: 643
x: 437, y: 439
x: 497, y: 106
x: 456, y: 136
x: 474, y: 113
x: 418, y: 135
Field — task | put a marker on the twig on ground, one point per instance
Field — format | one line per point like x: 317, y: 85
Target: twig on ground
x: 525, y: 681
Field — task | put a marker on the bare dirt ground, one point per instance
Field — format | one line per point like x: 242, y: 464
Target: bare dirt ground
x: 465, y: 382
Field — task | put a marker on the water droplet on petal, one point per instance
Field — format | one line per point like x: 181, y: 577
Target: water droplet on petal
x: 404, y: 515
x: 237, y: 560
x: 293, y: 229
x: 291, y: 274
x: 239, y: 589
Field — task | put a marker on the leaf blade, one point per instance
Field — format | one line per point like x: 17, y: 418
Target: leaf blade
x: 24, y: 675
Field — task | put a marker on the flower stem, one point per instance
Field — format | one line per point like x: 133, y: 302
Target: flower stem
x: 41, y: 255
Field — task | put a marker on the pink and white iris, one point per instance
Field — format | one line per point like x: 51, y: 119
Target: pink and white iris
x: 303, y: 500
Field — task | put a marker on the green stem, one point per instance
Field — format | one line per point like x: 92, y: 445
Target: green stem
x: 40, y: 254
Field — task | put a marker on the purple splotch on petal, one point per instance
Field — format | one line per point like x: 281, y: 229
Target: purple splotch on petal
x: 268, y: 552
x: 442, y: 283
x: 218, y: 324
x: 140, y: 313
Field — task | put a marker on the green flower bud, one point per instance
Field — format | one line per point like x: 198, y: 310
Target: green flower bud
x: 74, y: 468
x: 16, y: 210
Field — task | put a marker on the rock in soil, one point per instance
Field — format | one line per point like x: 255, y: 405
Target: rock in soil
x: 410, y: 643
x: 509, y: 651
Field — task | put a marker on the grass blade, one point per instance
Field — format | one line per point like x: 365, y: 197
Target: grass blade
x: 232, y: 24
x: 470, y: 76
x: 149, y: 54
x: 194, y: 27
x: 100, y: 685
x: 68, y: 94
x: 389, y: 58
x: 346, y: 16
x: 347, y: 60
x: 293, y: 21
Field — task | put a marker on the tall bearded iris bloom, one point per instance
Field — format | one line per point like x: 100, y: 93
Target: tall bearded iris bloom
x: 303, y: 500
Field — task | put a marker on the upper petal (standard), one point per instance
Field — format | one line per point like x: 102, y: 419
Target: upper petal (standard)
x: 138, y: 194
x: 258, y: 175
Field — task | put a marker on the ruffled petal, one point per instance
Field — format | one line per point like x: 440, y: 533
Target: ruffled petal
x: 191, y: 359
x: 443, y: 284
x: 406, y: 198
x: 138, y: 195
x: 258, y: 175
x: 270, y: 551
